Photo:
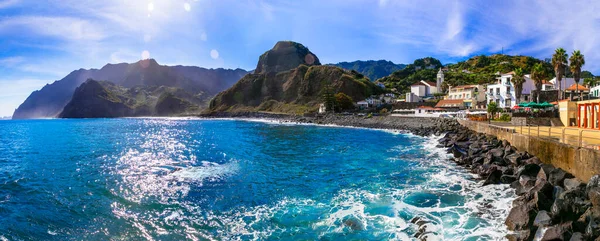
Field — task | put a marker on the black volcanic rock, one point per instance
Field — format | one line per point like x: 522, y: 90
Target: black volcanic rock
x: 285, y: 55
x: 52, y: 98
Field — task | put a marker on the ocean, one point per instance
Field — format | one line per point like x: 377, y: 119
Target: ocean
x: 206, y: 179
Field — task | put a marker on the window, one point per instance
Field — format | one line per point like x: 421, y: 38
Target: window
x: 507, y: 103
x: 497, y: 91
x: 468, y: 96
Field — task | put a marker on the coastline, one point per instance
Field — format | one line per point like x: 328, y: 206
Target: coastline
x: 550, y: 204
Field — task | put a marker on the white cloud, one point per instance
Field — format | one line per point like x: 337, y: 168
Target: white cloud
x: 11, y: 61
x: 8, y: 3
x: 67, y: 28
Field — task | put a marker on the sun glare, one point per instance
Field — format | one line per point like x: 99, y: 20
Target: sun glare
x: 187, y: 7
x: 145, y: 54
x: 150, y: 7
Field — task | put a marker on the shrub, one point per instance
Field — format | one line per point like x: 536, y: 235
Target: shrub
x: 504, y: 117
x: 370, y: 115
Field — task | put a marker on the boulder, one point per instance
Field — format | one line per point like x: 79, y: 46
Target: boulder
x: 520, y: 235
x: 557, y: 191
x: 542, y: 219
x: 577, y: 236
x: 532, y: 160
x: 527, y: 182
x: 493, y: 178
x: 519, y: 217
x: 529, y: 170
x: 354, y: 223
x: 514, y: 159
x: 594, y: 196
x: 495, y: 155
x: 507, y: 179
x: 556, y: 232
x: 557, y: 176
x: 570, y: 205
x: 593, y: 182
x: 571, y: 183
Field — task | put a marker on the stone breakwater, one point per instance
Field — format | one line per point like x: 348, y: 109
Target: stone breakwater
x: 551, y: 203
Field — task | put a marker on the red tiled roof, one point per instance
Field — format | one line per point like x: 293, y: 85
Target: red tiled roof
x: 450, y: 103
x: 429, y: 83
x: 511, y: 72
x: 574, y: 87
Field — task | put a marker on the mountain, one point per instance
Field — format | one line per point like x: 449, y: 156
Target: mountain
x: 290, y: 79
x: 420, y: 69
x: 52, y: 98
x: 371, y: 68
x: 98, y: 99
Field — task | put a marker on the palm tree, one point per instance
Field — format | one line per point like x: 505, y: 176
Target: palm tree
x: 559, y: 62
x: 518, y: 79
x: 577, y: 60
x: 538, y: 73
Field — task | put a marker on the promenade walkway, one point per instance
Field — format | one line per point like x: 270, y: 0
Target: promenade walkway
x: 574, y: 136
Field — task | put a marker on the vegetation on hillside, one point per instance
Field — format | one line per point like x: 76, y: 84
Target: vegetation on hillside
x: 371, y: 68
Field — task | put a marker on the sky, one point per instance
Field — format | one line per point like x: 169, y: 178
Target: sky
x: 43, y: 40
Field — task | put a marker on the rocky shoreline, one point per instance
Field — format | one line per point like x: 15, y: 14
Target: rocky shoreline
x: 551, y: 203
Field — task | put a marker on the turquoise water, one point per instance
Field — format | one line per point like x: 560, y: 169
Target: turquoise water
x: 182, y: 179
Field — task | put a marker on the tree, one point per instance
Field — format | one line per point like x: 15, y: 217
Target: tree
x: 577, y: 60
x: 328, y: 98
x: 343, y: 101
x: 492, y: 108
x: 538, y: 73
x: 559, y: 62
x: 589, y: 82
x: 518, y: 80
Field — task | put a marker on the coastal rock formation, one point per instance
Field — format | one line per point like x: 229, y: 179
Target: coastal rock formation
x: 290, y: 79
x: 103, y: 99
x: 284, y: 56
x: 52, y: 98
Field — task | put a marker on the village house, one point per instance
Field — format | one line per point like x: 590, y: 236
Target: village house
x: 503, y: 91
x: 472, y: 96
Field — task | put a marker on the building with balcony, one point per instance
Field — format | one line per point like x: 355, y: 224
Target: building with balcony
x: 471, y: 95
x: 503, y: 91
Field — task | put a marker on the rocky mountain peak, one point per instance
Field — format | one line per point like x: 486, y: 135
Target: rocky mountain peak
x: 285, y: 55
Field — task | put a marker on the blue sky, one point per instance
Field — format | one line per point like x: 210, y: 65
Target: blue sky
x: 42, y: 41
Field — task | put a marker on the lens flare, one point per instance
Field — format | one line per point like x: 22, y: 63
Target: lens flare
x: 214, y: 54
x: 150, y: 7
x: 145, y: 54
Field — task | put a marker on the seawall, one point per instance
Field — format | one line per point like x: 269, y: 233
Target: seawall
x: 583, y: 163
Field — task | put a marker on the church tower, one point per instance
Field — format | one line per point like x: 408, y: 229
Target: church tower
x: 440, y: 80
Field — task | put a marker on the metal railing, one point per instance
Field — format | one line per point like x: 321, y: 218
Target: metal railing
x: 582, y: 138
x: 562, y: 135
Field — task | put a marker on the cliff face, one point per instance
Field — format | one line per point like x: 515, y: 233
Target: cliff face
x: 286, y: 55
x: 103, y: 99
x: 52, y: 98
x: 283, y: 82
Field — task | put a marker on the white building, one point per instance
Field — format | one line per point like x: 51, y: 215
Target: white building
x: 595, y: 90
x: 503, y: 91
x: 322, y: 108
x: 423, y: 89
x: 362, y: 104
x: 471, y: 95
